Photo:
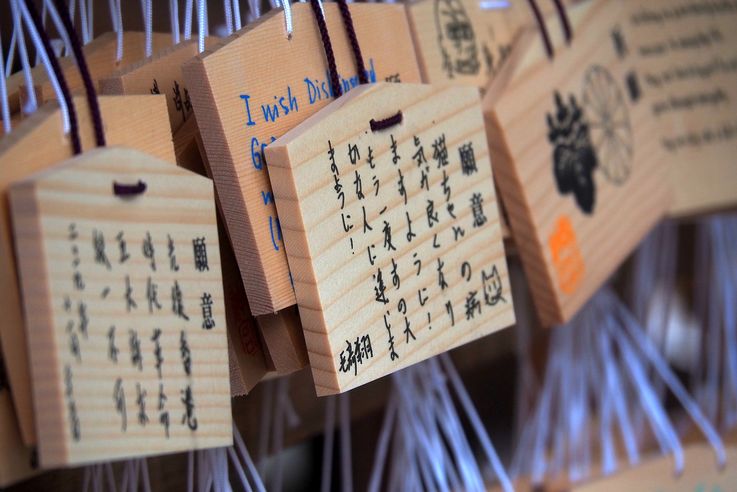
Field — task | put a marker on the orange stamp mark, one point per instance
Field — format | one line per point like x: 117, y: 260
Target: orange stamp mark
x: 566, y: 255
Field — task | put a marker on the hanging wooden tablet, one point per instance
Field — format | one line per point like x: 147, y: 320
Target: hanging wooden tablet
x: 246, y: 355
x: 284, y: 340
x: 521, y: 19
x: 100, y: 54
x: 686, y: 74
x: 125, y: 300
x: 577, y: 162
x: 256, y: 85
x: 393, y: 234
x: 17, y: 461
x: 452, y: 43
x: 36, y: 144
x: 162, y: 74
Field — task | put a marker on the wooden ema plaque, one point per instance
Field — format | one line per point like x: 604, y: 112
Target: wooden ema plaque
x: 36, y: 144
x: 462, y: 42
x: 100, y: 54
x: 577, y: 162
x: 686, y: 55
x: 122, y: 289
x: 452, y: 43
x: 16, y: 460
x: 247, y: 361
x: 393, y: 236
x: 256, y: 85
x: 162, y: 74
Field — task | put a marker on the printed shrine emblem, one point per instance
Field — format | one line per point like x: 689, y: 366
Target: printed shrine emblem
x: 456, y: 38
x: 392, y: 234
x: 592, y: 134
x: 129, y: 298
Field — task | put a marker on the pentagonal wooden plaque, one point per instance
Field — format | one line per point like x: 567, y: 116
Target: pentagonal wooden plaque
x: 120, y: 271
x: 393, y: 235
x: 577, y: 161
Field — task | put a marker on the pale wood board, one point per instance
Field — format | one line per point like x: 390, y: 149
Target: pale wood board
x: 340, y: 293
x: 100, y: 54
x: 247, y: 363
x: 163, y: 73
x: 284, y: 341
x: 453, y: 43
x: 249, y: 360
x: 160, y: 73
x: 37, y: 143
x: 700, y: 139
x: 700, y: 473
x: 448, y: 31
x: 545, y: 222
x: 261, y: 63
x: 524, y: 64
x: 77, y: 285
x: 16, y: 459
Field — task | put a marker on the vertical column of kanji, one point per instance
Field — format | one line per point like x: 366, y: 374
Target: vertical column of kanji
x: 73, y: 359
x: 357, y: 226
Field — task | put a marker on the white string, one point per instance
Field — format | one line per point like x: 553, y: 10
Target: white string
x: 288, y: 16
x: 277, y: 441
x: 11, y: 51
x: 97, y: 484
x: 215, y: 469
x: 110, y: 477
x: 202, y: 23
x: 239, y: 469
x: 91, y: 19
x: 237, y: 15
x: 265, y: 425
x: 382, y: 445
x: 346, y: 469
x: 661, y: 366
x: 254, y: 10
x: 43, y: 23
x: 46, y: 62
x: 723, y: 248
x: 119, y: 51
x: 54, y: 14
x: 188, y: 10
x: 614, y: 388
x: 116, y: 19
x: 190, y: 471
x: 86, y: 479
x: 450, y: 425
x: 148, y: 25
x: 31, y: 102
x: 85, y: 25
x: 494, y: 4
x: 174, y: 20
x: 72, y: 9
x: 327, y: 449
x: 476, y: 423
x: 228, y: 16
x: 4, y: 103
x: 258, y: 483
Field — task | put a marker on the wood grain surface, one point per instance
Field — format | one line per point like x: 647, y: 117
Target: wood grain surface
x: 259, y: 83
x: 38, y: 143
x: 125, y: 300
x: 414, y: 279
x: 582, y: 182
